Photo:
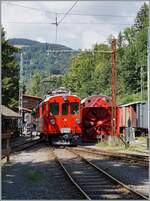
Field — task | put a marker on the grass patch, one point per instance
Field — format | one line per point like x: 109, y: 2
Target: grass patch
x: 120, y: 147
x: 33, y: 175
x: 137, y: 148
x: 142, y: 139
x: 110, y: 147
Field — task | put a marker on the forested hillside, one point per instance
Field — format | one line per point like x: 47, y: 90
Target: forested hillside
x: 22, y: 41
x: 41, y: 57
x: 91, y: 73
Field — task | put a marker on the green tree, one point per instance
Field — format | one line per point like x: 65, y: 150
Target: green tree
x: 142, y: 18
x: 34, y: 86
x: 10, y: 74
x: 90, y: 72
x: 132, y: 56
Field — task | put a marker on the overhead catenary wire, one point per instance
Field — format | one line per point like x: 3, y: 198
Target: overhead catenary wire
x: 58, y: 22
x: 51, y: 23
x: 71, y: 14
x: 92, y: 51
x: 27, y: 7
x: 65, y: 15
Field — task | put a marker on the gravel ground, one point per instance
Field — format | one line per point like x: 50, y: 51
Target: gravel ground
x: 133, y: 175
x: 34, y: 174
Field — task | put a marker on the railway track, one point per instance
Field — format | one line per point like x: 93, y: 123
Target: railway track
x: 91, y: 181
x: 22, y: 146
x: 129, y: 158
x: 81, y: 192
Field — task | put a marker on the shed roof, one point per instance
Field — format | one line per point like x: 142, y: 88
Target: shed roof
x: 5, y: 111
x: 133, y: 103
x: 33, y: 97
x: 30, y: 102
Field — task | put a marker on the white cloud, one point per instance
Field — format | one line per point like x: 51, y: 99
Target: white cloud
x: 72, y: 35
x: 89, y: 37
x: 39, y: 39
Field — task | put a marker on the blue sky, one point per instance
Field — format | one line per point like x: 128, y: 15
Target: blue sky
x: 75, y: 31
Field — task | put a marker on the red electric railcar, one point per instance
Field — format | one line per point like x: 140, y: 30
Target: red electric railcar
x: 58, y: 119
x: 96, y: 112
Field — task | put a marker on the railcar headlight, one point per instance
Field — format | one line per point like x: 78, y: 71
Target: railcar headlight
x: 65, y: 98
x: 52, y: 121
x: 78, y: 121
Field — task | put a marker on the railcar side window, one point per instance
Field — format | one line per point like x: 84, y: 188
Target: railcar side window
x: 54, y: 108
x: 74, y: 107
x: 64, y: 108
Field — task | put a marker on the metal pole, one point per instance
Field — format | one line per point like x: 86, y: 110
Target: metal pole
x: 114, y: 87
x: 56, y: 23
x: 21, y: 83
x: 21, y: 90
x: 141, y: 96
x: 56, y: 29
x: 148, y: 77
x: 141, y: 84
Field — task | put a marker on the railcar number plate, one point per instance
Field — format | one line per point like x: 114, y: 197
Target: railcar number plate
x: 65, y: 130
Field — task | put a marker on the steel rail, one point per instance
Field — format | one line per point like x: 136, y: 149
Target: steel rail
x: 29, y: 144
x: 71, y: 178
x: 137, y: 158
x: 24, y: 143
x: 110, y: 177
x: 22, y: 146
x: 122, y: 154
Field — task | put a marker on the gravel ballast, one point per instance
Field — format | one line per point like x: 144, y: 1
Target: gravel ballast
x: 34, y: 174
x: 134, y: 176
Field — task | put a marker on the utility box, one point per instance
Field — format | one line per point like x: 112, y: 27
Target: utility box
x: 129, y: 134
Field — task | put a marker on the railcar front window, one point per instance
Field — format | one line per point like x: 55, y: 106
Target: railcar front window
x: 74, y: 107
x: 64, y: 108
x: 54, y: 108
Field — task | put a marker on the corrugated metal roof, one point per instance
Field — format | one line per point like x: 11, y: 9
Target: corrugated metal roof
x: 5, y: 111
x: 132, y: 103
x: 30, y: 96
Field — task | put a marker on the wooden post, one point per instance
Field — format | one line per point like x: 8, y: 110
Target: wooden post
x: 7, y: 149
x: 6, y: 152
x: 113, y: 87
